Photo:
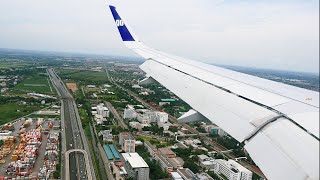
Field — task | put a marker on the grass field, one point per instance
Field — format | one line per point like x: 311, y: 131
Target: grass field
x: 5, y: 65
x: 37, y: 83
x: 86, y: 76
x: 9, y: 112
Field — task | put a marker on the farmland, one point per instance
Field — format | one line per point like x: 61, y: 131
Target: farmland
x: 11, y: 111
x: 35, y: 83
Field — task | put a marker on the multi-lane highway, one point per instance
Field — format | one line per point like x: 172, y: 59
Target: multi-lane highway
x: 74, y: 135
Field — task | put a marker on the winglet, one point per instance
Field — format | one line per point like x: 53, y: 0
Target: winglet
x: 123, y: 30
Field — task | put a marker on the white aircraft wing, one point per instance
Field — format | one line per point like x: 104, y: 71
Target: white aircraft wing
x: 278, y: 123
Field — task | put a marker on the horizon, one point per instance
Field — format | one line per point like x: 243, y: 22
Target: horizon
x: 264, y: 34
x: 140, y: 59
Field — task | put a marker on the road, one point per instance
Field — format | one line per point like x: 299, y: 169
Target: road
x: 73, y: 131
x: 116, y: 115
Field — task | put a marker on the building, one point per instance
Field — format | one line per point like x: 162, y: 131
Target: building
x: 186, y: 174
x: 151, y: 149
x: 5, y: 134
x: 176, y: 176
x: 164, y: 163
x: 135, y: 166
x: 167, y: 152
x: 100, y: 110
x: 166, y: 101
x: 145, y: 116
x: 137, y: 125
x: 99, y: 119
x: 215, y: 130
x: 232, y: 170
x: 127, y: 142
x: 162, y: 117
x: 129, y: 112
x: 204, y: 176
x: 202, y: 157
x: 106, y: 135
x: 177, y: 162
x: 162, y: 120
x: 208, y: 164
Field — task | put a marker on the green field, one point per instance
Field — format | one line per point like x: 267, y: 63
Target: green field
x: 12, y: 111
x: 37, y: 84
x: 82, y: 75
x: 5, y: 65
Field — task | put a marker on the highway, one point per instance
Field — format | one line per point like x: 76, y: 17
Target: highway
x: 74, y: 135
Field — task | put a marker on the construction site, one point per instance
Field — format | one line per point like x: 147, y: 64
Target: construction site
x: 30, y: 149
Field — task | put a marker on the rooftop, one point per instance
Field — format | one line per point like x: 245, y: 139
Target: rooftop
x: 203, y: 157
x: 166, y: 151
x: 186, y: 173
x: 135, y: 160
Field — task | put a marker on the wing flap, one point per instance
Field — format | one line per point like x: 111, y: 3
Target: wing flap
x: 293, y: 151
x: 219, y: 106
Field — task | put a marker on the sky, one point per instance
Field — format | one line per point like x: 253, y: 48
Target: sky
x: 270, y: 34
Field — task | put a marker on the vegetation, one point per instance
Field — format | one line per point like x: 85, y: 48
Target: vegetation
x: 36, y: 83
x: 83, y: 76
x: 12, y: 110
x: 7, y: 65
x: 190, y: 158
x: 155, y: 170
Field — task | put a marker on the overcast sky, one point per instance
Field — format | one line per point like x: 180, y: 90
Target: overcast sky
x: 266, y: 34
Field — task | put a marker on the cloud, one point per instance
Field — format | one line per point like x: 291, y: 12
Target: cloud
x: 269, y: 34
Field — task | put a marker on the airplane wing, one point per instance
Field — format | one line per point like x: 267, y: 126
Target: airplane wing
x: 278, y: 123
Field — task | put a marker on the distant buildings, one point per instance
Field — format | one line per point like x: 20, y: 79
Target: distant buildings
x: 136, y: 167
x: 127, y: 142
x: 145, y: 117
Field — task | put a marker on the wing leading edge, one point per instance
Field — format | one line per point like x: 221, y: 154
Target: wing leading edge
x: 278, y: 123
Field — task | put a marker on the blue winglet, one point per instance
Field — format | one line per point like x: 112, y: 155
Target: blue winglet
x: 124, y: 32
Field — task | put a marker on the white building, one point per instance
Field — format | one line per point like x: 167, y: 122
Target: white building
x: 176, y: 176
x: 136, y: 167
x: 99, y: 119
x: 162, y: 117
x: 129, y: 112
x: 232, y: 170
x: 146, y: 116
x: 102, y: 110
